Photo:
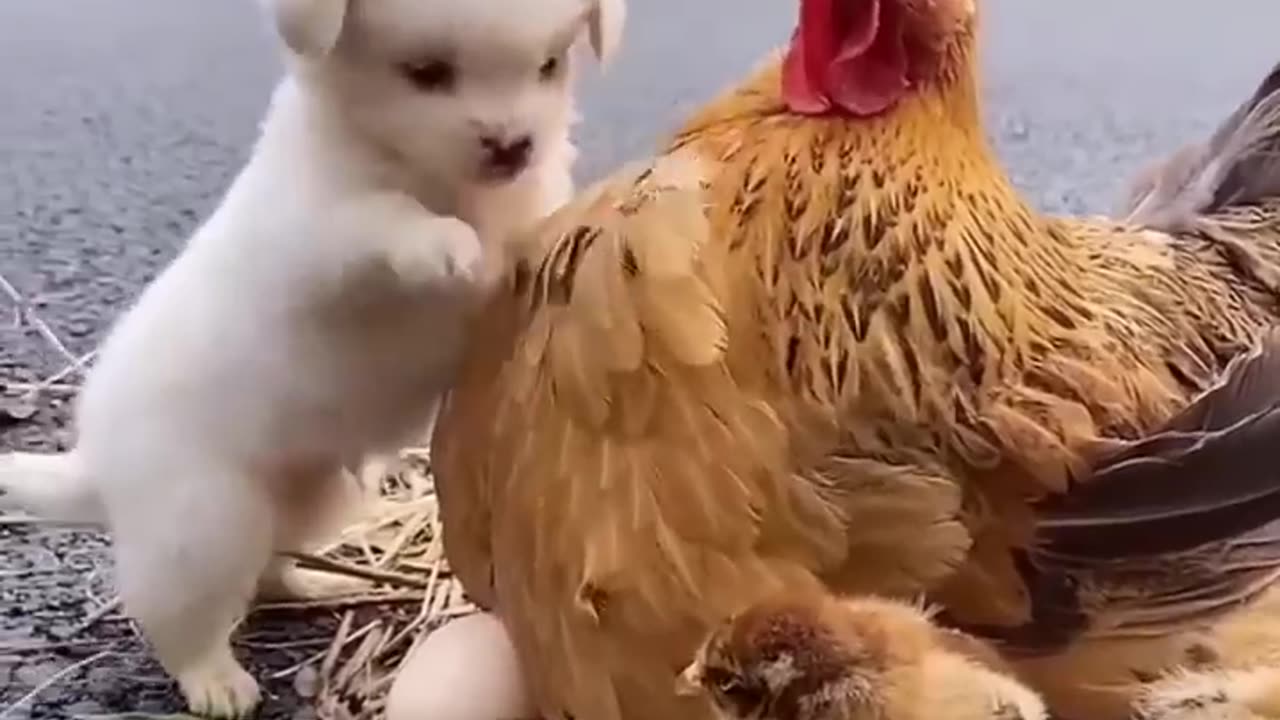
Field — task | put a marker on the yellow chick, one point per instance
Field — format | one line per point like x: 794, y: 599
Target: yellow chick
x: 1246, y: 694
x: 822, y: 658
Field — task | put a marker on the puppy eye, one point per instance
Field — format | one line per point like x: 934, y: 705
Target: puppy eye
x: 432, y: 76
x: 550, y: 68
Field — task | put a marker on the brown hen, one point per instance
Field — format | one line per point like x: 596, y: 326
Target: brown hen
x: 821, y: 341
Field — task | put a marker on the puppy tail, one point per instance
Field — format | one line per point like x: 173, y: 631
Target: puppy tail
x: 51, y: 486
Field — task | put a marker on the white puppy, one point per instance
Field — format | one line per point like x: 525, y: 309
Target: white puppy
x: 315, y: 318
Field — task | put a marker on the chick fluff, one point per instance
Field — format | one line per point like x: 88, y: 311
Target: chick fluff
x: 849, y: 659
x: 1241, y: 694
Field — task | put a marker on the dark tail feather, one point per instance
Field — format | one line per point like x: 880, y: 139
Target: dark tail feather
x: 1167, y: 532
x: 1211, y: 474
x: 1240, y: 163
x: 1249, y: 152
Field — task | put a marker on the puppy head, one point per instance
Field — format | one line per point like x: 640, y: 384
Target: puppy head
x: 472, y: 91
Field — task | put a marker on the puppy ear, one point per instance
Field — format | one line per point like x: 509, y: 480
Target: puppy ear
x: 309, y: 27
x: 604, y: 23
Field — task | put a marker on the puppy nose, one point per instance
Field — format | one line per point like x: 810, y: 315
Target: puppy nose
x: 508, y: 153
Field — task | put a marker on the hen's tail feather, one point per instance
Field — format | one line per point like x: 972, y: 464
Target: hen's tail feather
x: 1249, y: 152
x: 1167, y: 532
x: 1208, y: 475
x: 1239, y: 164
x: 50, y: 486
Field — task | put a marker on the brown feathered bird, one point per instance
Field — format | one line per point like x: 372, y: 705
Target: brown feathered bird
x: 822, y: 342
x: 865, y: 658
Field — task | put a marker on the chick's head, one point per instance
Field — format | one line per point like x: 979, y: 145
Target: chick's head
x: 805, y: 659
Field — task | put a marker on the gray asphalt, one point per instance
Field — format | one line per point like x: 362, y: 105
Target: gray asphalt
x: 121, y: 122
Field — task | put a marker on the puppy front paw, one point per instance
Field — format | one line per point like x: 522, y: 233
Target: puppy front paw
x: 448, y: 255
x: 220, y: 688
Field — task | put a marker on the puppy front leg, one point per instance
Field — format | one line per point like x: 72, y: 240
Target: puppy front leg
x: 438, y: 252
x: 423, y: 251
x: 392, y: 242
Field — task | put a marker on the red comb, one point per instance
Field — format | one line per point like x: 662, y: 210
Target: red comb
x: 847, y: 54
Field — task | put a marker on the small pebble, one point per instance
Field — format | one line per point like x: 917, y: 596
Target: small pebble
x: 34, y: 674
x: 307, y: 682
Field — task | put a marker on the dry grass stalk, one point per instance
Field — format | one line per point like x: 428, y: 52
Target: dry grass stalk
x: 397, y: 547
x: 12, y: 710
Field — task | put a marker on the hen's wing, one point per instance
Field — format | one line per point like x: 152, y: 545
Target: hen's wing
x: 1168, y: 530
x: 630, y: 485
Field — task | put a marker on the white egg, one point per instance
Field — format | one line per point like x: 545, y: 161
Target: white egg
x: 464, y: 670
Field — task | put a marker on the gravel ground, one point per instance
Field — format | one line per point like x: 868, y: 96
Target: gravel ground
x: 123, y: 121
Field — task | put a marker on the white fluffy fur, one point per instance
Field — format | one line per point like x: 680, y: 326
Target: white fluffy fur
x: 315, y: 318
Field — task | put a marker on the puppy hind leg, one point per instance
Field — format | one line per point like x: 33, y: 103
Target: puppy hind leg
x: 187, y: 573
x: 320, y: 509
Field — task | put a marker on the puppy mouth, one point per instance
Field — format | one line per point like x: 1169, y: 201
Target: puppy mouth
x: 498, y: 173
x: 505, y: 158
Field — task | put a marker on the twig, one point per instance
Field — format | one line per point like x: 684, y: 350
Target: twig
x: 50, y: 647
x: 95, y: 617
x: 380, y: 598
x: 90, y: 582
x: 458, y: 611
x: 67, y: 370
x: 39, y: 387
x: 312, y: 562
x: 35, y: 321
x: 423, y: 617
x: 33, y: 572
x: 54, y: 383
x: 32, y: 318
x: 339, y: 642
x: 60, y: 675
x: 321, y: 654
x: 8, y: 520
x: 360, y: 656
x: 401, y: 540
x: 282, y: 645
x: 8, y: 289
